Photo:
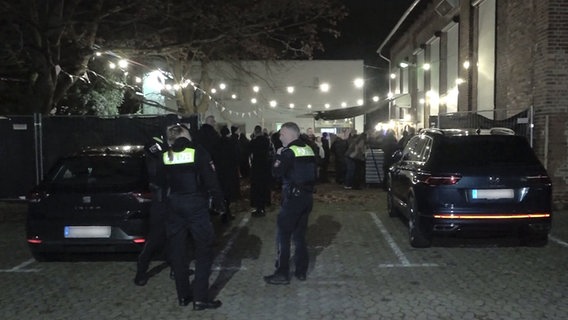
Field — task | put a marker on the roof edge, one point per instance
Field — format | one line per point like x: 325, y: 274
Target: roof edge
x: 395, y: 29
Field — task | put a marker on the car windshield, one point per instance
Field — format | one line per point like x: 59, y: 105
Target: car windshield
x: 485, y: 150
x: 98, y: 172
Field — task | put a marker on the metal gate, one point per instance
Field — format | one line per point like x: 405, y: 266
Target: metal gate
x: 519, y: 120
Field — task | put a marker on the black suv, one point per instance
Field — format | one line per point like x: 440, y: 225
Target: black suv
x: 96, y: 200
x: 449, y: 180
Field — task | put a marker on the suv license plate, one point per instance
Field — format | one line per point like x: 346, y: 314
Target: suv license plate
x: 492, y: 194
x: 87, y: 231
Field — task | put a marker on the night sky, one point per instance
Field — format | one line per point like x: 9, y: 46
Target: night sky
x: 364, y: 29
x: 368, y: 24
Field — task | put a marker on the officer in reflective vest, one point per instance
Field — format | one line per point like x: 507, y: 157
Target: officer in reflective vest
x: 191, y: 178
x: 295, y: 164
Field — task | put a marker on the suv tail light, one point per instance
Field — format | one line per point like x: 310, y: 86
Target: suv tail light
x: 438, y: 180
x: 142, y: 197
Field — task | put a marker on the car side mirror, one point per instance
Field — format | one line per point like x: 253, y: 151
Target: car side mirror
x: 397, y: 155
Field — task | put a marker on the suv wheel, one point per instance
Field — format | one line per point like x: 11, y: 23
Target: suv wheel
x: 534, y: 239
x: 42, y: 256
x: 419, y: 238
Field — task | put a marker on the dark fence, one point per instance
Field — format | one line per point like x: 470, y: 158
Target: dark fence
x: 521, y: 122
x: 31, y: 144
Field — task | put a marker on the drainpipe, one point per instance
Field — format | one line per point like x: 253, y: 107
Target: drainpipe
x: 391, y: 34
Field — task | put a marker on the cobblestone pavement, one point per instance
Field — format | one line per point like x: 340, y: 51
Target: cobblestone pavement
x: 362, y: 267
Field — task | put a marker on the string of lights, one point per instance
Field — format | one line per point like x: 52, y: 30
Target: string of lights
x: 257, y: 106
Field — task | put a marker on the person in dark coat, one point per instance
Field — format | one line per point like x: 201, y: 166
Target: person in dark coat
x: 260, y: 173
x: 408, y: 133
x: 355, y: 160
x: 227, y: 167
x: 235, y: 133
x: 389, y: 146
x: 156, y: 238
x: 276, y: 182
x: 208, y: 137
x: 235, y: 137
x: 244, y: 161
x: 339, y: 148
x: 324, y: 164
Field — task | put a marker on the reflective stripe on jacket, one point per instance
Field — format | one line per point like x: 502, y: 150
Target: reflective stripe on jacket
x: 305, y: 151
x: 185, y: 156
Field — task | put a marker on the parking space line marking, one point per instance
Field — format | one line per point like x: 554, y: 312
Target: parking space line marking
x: 217, y: 263
x: 21, y: 266
x: 422, y: 265
x: 404, y: 262
x: 218, y: 268
x: 394, y: 247
x: 560, y: 242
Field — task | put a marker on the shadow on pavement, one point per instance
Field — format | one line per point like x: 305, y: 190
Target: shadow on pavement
x: 320, y: 235
x: 230, y: 262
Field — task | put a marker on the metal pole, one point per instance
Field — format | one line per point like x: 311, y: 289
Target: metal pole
x: 546, y: 142
x: 38, y: 146
x: 531, y: 125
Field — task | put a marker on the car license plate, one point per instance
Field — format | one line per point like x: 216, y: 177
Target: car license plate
x: 492, y: 194
x: 87, y: 231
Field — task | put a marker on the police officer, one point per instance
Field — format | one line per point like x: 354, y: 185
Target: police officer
x: 190, y: 178
x: 156, y: 238
x: 295, y: 163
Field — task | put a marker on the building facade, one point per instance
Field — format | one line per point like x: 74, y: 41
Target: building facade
x: 491, y: 57
x: 265, y: 93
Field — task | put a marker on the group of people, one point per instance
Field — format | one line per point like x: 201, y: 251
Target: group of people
x: 348, y: 150
x: 236, y: 157
x: 189, y: 177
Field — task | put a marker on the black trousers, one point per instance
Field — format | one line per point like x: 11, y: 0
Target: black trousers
x: 156, y: 238
x: 292, y: 224
x: 260, y: 189
x: 190, y: 215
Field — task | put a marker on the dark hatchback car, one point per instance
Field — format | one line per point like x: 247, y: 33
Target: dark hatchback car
x: 452, y: 180
x: 96, y: 200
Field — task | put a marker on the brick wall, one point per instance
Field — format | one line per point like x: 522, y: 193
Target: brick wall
x: 531, y: 70
x: 551, y: 94
x: 514, y: 60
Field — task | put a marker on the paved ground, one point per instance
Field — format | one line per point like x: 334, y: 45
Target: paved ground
x: 362, y: 268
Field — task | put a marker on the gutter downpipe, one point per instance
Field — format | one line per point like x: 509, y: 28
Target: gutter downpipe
x: 393, y: 31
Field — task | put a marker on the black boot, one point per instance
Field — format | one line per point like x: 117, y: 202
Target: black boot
x: 141, y: 277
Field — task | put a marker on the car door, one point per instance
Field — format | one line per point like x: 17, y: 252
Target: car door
x: 412, y: 162
x: 399, y: 172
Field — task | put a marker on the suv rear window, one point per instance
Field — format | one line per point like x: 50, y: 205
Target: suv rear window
x: 98, y: 172
x: 485, y: 150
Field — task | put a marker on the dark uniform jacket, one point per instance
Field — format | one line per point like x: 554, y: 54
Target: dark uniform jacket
x: 296, y: 165
x: 191, y: 172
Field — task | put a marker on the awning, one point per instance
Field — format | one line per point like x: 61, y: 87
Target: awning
x: 345, y: 113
